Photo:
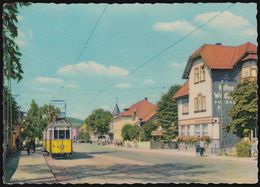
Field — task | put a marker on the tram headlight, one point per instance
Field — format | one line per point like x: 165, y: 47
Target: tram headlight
x: 62, y: 146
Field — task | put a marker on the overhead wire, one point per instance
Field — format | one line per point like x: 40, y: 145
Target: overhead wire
x: 84, y: 47
x: 163, y: 51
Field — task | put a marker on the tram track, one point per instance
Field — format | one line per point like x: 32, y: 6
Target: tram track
x: 60, y: 173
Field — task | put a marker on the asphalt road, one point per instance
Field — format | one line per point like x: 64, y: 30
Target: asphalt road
x: 100, y: 164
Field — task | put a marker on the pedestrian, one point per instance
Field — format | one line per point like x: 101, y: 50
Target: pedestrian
x: 28, y: 147
x: 202, y: 149
x: 17, y: 143
x: 32, y: 144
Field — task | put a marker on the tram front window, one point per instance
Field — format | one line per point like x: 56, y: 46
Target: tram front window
x: 67, y: 134
x: 55, y: 134
x: 62, y: 134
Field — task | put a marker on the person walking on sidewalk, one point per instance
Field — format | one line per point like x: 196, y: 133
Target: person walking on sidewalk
x: 17, y: 143
x: 202, y: 149
x: 28, y: 147
x: 32, y: 144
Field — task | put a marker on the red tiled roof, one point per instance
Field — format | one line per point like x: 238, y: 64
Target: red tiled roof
x: 144, y: 110
x: 184, y: 90
x: 223, y: 57
x: 250, y: 57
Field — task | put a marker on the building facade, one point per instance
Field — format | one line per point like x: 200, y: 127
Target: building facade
x: 212, y: 72
x: 137, y: 114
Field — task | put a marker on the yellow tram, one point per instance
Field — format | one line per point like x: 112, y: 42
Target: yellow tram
x: 57, y: 138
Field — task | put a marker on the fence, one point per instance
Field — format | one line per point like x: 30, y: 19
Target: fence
x: 163, y: 145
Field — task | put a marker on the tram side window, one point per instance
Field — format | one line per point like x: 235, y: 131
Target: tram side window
x: 62, y: 134
x: 56, y: 134
x: 67, y: 134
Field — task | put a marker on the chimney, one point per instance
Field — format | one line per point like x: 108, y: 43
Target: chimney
x: 146, y: 98
x: 218, y: 43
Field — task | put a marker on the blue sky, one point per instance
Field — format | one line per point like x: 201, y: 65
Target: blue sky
x: 51, y: 37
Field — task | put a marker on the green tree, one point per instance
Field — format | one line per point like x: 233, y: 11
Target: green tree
x: 167, y: 114
x: 244, y: 111
x: 11, y: 52
x: 130, y: 132
x: 49, y: 112
x: 84, y: 135
x: 148, y: 128
x: 33, y: 121
x: 99, y: 121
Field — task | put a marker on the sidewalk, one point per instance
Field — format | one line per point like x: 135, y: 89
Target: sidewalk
x: 32, y: 169
x: 185, y: 153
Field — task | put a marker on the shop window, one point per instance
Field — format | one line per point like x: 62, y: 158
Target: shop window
x: 188, y: 130
x: 197, y: 130
x: 205, y: 130
x: 182, y: 130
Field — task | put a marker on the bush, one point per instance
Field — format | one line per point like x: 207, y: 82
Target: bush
x: 193, y: 139
x: 243, y: 149
x: 130, y: 132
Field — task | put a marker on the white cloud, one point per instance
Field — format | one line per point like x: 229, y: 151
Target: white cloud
x: 105, y: 107
x: 42, y: 90
x: 177, y: 65
x: 227, y: 20
x: 20, y: 18
x: 149, y: 81
x: 122, y: 85
x: 48, y: 80
x: 78, y: 116
x: 24, y: 37
x: 250, y: 32
x: 179, y: 26
x: 71, y: 85
x: 155, y: 96
x: 93, y: 68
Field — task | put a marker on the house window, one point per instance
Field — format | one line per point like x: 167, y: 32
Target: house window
x: 197, y: 130
x: 253, y: 72
x: 203, y: 102
x: 196, y: 103
x: 196, y: 75
x: 249, y: 72
x: 185, y: 109
x: 246, y: 72
x: 205, y: 130
x: 202, y: 73
x: 200, y: 103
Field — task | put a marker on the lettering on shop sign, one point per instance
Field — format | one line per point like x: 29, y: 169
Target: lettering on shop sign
x: 227, y: 100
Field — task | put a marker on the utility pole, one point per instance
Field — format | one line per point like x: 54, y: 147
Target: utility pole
x: 221, y: 119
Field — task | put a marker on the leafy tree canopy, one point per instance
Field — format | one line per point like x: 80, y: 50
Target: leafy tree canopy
x: 50, y: 111
x: 130, y: 132
x: 99, y: 121
x: 148, y: 128
x: 167, y: 113
x: 11, y: 56
x: 244, y: 111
